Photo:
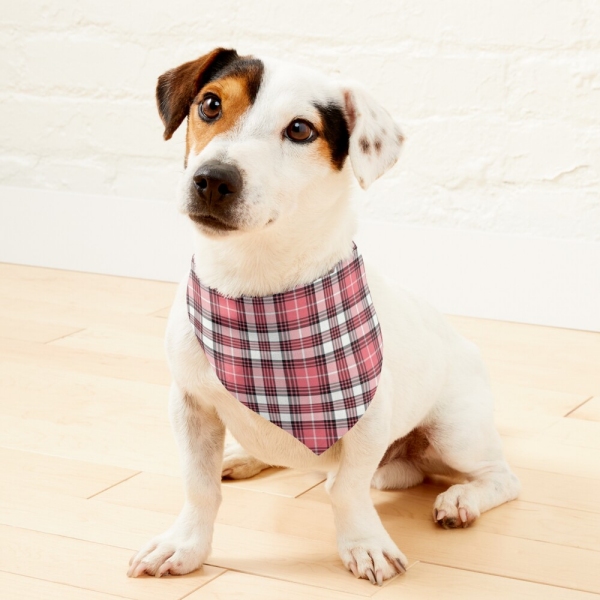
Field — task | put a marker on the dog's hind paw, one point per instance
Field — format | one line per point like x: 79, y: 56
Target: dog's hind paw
x: 456, y: 507
x: 238, y: 464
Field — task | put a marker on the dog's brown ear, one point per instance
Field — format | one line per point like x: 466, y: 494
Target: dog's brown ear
x: 375, y: 138
x: 177, y: 88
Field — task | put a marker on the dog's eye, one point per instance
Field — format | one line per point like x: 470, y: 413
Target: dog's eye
x: 210, y: 108
x: 299, y: 130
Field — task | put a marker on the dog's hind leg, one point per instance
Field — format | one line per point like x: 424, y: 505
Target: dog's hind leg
x: 238, y: 464
x: 400, y: 466
x: 398, y: 474
x: 470, y: 444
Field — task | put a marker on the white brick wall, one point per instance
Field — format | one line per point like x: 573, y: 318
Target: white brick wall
x: 500, y: 99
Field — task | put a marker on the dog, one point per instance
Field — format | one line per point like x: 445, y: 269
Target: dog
x: 271, y: 150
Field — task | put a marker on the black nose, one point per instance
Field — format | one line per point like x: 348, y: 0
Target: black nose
x: 218, y: 183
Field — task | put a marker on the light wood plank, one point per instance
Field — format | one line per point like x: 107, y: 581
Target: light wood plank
x: 121, y: 442
x: 524, y: 411
x: 282, y: 482
x: 573, y: 432
x: 83, y: 361
x: 95, y: 418
x: 551, y: 456
x: 110, y: 340
x: 33, y: 331
x: 49, y: 473
x: 163, y: 493
x: 426, y: 581
x: 556, y: 359
x: 18, y: 587
x: 72, y: 288
x: 555, y: 489
x: 250, y: 587
x: 590, y: 411
x: 90, y: 566
x: 78, y: 316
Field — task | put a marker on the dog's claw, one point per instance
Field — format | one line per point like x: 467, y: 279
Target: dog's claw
x: 371, y: 576
x: 401, y: 568
x: 379, y: 577
x: 354, y: 569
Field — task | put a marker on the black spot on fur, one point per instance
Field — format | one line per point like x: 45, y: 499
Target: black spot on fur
x: 335, y: 132
x: 377, y: 146
x: 365, y: 145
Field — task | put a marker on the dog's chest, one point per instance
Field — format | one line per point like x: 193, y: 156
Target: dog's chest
x: 195, y: 376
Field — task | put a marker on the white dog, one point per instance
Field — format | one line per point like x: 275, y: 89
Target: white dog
x: 266, y: 187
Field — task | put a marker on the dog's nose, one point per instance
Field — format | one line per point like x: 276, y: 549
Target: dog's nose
x: 216, y: 182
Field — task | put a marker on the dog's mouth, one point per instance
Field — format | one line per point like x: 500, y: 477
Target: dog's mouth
x: 211, y: 222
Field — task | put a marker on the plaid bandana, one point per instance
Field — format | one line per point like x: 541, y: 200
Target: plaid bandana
x: 308, y: 360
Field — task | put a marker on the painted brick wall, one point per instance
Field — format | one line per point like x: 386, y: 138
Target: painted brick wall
x: 499, y: 99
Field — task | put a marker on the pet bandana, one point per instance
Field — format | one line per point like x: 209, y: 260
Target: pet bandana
x: 308, y: 360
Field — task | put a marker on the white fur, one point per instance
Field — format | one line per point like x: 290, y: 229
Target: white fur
x: 295, y: 224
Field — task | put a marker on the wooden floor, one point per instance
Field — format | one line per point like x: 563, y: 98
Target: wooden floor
x: 89, y: 470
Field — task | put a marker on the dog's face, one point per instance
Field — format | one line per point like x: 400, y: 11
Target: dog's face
x: 266, y: 138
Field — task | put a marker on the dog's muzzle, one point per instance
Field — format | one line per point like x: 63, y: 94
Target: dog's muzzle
x: 216, y: 187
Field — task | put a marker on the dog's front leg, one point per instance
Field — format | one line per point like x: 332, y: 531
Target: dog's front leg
x: 365, y: 546
x: 184, y: 547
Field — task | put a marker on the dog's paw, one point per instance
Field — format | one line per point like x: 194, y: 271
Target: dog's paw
x: 372, y: 559
x: 238, y: 464
x: 456, y: 507
x: 170, y: 554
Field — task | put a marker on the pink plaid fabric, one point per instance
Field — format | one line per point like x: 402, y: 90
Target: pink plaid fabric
x: 308, y: 360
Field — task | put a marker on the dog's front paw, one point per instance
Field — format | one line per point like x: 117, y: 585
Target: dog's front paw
x: 172, y: 553
x: 456, y: 507
x: 372, y: 559
x: 238, y: 464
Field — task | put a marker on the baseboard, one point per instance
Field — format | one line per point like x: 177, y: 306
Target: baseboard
x: 531, y: 280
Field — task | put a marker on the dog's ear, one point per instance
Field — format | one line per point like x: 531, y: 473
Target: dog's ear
x: 375, y: 138
x: 177, y: 88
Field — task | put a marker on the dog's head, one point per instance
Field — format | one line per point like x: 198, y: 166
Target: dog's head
x: 265, y: 138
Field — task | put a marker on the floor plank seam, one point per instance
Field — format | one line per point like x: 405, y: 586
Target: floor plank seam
x: 70, y: 537
x: 113, y: 485
x: 312, y: 487
x: 307, y: 584
x: 488, y: 573
x: 76, y: 587
x: 205, y: 584
x: 578, y: 406
x: 62, y: 337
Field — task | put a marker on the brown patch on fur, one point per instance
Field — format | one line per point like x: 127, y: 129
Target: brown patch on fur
x: 377, y: 145
x: 365, y: 145
x: 411, y: 447
x: 235, y: 101
x: 177, y: 88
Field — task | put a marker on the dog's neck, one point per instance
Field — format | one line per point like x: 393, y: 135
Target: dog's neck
x: 279, y: 257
